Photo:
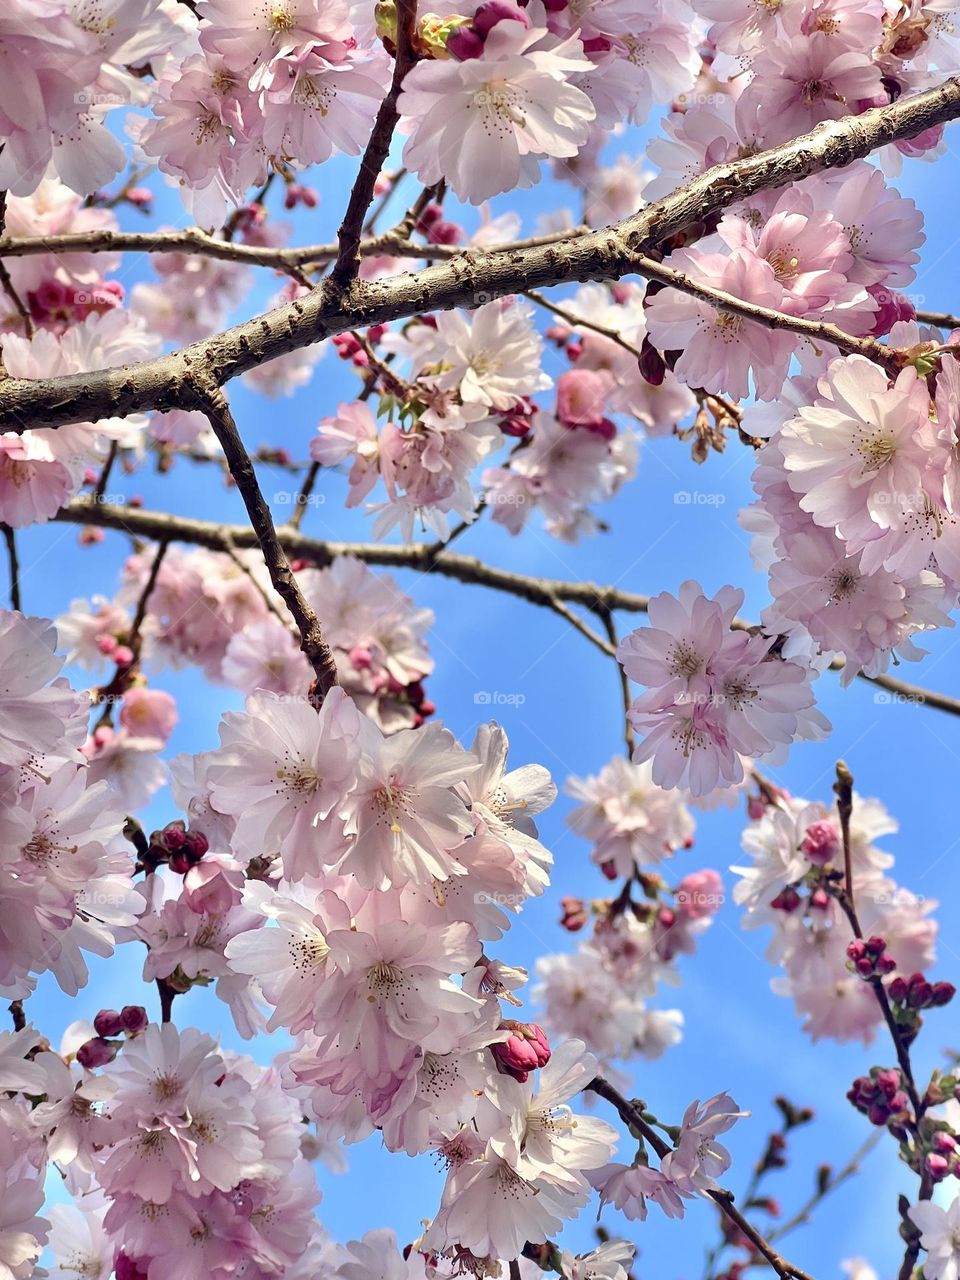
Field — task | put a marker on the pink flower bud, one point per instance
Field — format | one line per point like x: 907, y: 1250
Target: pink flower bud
x: 494, y: 11
x: 944, y: 1142
x: 699, y: 894
x: 581, y: 397
x: 149, y: 713
x: 525, y: 1050
x: 127, y: 1268
x: 108, y: 1023
x: 937, y: 1166
x: 133, y: 1018
x: 574, y: 914
x: 821, y: 843
x: 96, y: 1053
x: 213, y: 885
x: 445, y: 233
x: 465, y: 45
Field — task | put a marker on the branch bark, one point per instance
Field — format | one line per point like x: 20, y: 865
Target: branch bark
x: 319, y: 654
x: 424, y: 557
x: 347, y: 265
x: 814, y: 330
x: 468, y: 278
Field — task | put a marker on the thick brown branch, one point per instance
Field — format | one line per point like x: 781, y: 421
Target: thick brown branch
x: 468, y: 278
x: 424, y: 557
x: 347, y: 265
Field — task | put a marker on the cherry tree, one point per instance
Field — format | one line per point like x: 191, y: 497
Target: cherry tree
x: 336, y: 870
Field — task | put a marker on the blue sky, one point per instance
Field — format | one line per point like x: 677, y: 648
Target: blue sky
x: 739, y: 1036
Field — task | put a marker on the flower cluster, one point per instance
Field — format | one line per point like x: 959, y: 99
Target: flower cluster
x: 601, y: 993
x: 796, y: 852
x: 715, y: 693
x: 65, y: 870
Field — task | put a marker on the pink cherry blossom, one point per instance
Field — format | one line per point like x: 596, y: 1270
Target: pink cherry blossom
x: 482, y: 124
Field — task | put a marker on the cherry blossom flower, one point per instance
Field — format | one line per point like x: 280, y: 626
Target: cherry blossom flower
x: 311, y: 757
x: 631, y: 822
x: 939, y: 1228
x: 714, y: 694
x: 720, y: 349
x: 481, y: 124
x: 863, y: 455
x: 697, y: 1159
x: 404, y: 820
x: 629, y: 1187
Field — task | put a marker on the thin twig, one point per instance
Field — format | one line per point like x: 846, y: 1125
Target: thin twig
x: 425, y: 557
x: 815, y: 330
x: 632, y: 1117
x: 852, y: 1167
x: 347, y: 264
x: 312, y: 641
x: 14, y: 566
x: 629, y: 737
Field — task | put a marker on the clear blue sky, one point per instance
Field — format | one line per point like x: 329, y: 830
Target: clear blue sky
x: 738, y: 1035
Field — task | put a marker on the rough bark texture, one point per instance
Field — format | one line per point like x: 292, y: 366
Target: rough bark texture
x: 467, y: 279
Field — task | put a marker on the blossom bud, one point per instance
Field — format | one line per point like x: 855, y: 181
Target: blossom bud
x: 942, y: 993
x: 891, y: 307
x: 524, y: 1051
x: 126, y: 1268
x: 651, y: 365
x: 943, y: 1142
x: 444, y: 233
x: 574, y: 914
x: 937, y: 1166
x: 786, y: 900
x: 494, y: 11
x: 756, y: 808
x: 898, y: 990
x: 515, y: 427
x: 699, y: 894
x: 108, y: 1023
x: 96, y: 1053
x: 821, y: 843
x: 820, y: 899
x: 133, y: 1018
x: 465, y: 44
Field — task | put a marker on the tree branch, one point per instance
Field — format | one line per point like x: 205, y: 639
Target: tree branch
x: 13, y: 563
x: 347, y: 265
x: 632, y: 1117
x: 425, y: 557
x: 814, y: 330
x: 468, y: 277
x: 194, y: 240
x: 312, y: 642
